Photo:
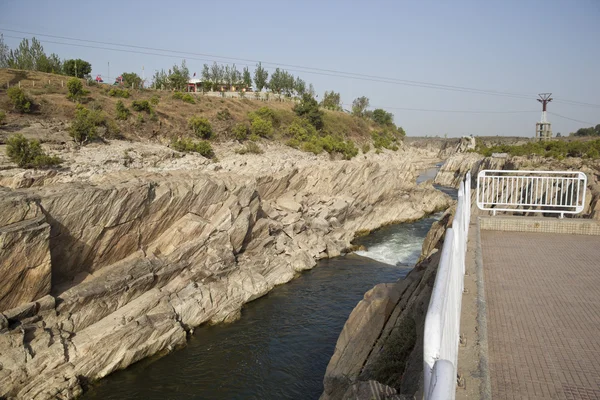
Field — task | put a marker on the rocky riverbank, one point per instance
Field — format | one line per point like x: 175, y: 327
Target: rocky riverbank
x: 122, y: 253
x: 379, y: 352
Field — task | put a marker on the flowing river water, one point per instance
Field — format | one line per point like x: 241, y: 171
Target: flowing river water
x: 280, y: 347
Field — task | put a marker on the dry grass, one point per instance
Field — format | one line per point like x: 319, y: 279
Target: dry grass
x: 172, y: 115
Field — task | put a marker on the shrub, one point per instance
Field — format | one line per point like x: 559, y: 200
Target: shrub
x: 2, y: 117
x: 140, y: 119
x: 116, y: 92
x: 365, y: 148
x: 83, y: 128
x: 178, y: 95
x: 201, y: 127
x: 29, y: 154
x: 224, y: 115
x: 187, y: 145
x: 142, y: 105
x: 250, y: 147
x: 122, y: 112
x: 337, y: 145
x: 384, y: 139
x: 154, y: 100
x: 75, y: 89
x: 254, y: 137
x: 301, y: 130
x: 266, y: 114
x: 19, y: 99
x: 188, y: 98
x: 308, y: 108
x: 240, y: 131
x: 261, y: 127
x: 312, y: 146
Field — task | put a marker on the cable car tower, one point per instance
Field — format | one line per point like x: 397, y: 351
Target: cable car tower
x: 543, y: 129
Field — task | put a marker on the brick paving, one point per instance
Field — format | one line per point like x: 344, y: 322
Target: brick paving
x: 543, y: 314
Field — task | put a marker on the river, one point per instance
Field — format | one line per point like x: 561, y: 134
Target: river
x: 280, y: 347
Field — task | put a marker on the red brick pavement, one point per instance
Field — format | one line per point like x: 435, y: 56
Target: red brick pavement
x: 543, y: 314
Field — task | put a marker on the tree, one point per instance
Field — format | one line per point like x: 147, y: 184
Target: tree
x: 300, y: 86
x: 217, y: 73
x: 78, y: 68
x: 19, y: 99
x: 260, y: 77
x: 246, y: 78
x: 51, y: 64
x: 160, y: 80
x: 359, y: 106
x: 332, y: 101
x: 205, y: 76
x: 558, y: 134
x: 277, y: 81
x: 4, y: 52
x: 311, y: 90
x: 382, y: 117
x: 179, y: 76
x: 308, y: 108
x: 28, y: 153
x: 131, y: 79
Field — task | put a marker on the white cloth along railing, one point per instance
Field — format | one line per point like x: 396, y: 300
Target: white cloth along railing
x: 442, y: 322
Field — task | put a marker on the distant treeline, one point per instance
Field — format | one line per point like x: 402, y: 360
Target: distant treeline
x: 591, y: 131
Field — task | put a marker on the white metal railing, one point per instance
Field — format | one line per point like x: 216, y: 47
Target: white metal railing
x: 442, y: 322
x: 560, y: 192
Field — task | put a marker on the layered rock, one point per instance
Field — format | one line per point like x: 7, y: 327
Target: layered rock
x: 382, y: 340
x: 138, y: 259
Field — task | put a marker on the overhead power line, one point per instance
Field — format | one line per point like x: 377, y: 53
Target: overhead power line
x: 571, y: 119
x: 295, y: 68
x: 305, y: 69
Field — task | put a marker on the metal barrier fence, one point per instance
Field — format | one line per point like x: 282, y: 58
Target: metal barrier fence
x: 560, y: 192
x: 442, y: 322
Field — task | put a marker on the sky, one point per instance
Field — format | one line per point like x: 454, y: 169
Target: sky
x: 520, y: 47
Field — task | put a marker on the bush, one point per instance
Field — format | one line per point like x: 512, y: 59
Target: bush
x: 2, y: 117
x: 240, y: 131
x: 201, y: 127
x: 122, y: 112
x: 250, y: 147
x: 261, y: 127
x: 178, y: 95
x: 301, y: 130
x: 188, y: 98
x: 551, y: 149
x: 116, y: 92
x: 83, y: 128
x: 187, y: 145
x: 154, y: 100
x: 384, y: 139
x: 142, y: 105
x: 308, y: 108
x: 19, y: 99
x: 266, y: 114
x: 366, y: 148
x: 224, y: 115
x: 29, y: 154
x: 75, y: 89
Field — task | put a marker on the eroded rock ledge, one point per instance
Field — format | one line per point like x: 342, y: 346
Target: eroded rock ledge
x: 107, y: 271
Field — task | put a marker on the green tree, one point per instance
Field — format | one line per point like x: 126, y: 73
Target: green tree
x: 131, y: 79
x: 83, y: 128
x: 217, y: 73
x: 332, y: 101
x: 206, y: 77
x: 260, y: 77
x: 246, y: 78
x: 179, y: 76
x: 261, y: 127
x: 308, y: 108
x: 300, y: 86
x: 78, y: 68
x: 51, y: 64
x: 4, y: 53
x: 359, y: 106
x: 160, y: 80
x: 382, y: 117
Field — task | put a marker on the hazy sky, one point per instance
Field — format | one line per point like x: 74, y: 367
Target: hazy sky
x: 517, y: 46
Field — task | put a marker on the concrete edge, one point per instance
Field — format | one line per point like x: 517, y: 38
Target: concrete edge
x: 486, y: 386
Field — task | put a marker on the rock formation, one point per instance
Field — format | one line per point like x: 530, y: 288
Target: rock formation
x: 106, y: 269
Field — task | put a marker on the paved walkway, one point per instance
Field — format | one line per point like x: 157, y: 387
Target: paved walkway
x: 543, y: 314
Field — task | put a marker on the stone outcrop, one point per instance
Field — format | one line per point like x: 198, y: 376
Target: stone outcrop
x: 122, y: 265
x: 382, y: 340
